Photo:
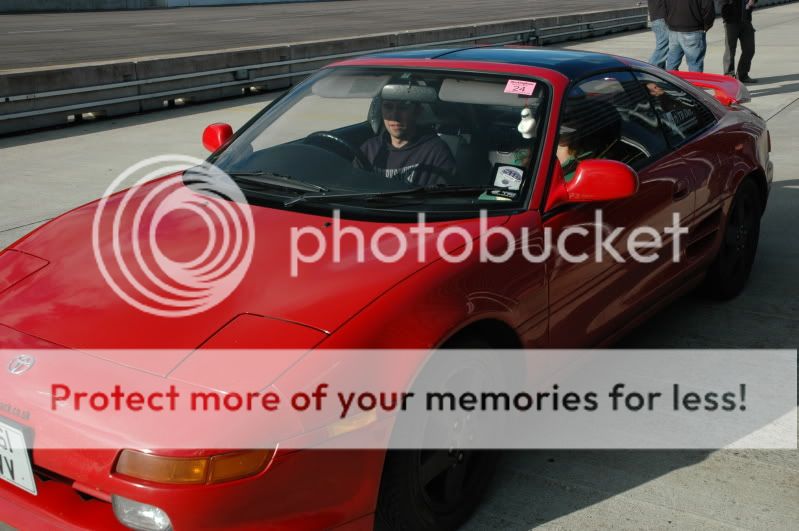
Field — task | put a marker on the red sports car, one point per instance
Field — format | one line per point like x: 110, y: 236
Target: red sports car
x: 534, y: 142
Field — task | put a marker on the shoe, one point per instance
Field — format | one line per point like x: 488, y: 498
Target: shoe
x: 746, y: 79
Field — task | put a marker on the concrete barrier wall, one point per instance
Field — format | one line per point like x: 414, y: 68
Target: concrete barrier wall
x: 198, y: 3
x: 29, y: 6
x: 50, y: 96
x: 33, y: 6
x: 60, y: 94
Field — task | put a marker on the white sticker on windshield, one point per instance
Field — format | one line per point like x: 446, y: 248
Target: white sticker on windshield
x: 508, y: 177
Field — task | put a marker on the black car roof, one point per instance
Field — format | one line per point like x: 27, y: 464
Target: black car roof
x: 570, y: 63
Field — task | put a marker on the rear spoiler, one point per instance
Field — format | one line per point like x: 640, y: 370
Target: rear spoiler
x: 727, y: 90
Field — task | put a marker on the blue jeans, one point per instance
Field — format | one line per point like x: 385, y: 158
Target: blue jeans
x: 661, y: 31
x: 692, y: 44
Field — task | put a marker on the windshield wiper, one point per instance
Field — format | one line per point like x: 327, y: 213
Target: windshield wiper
x: 419, y: 191
x: 265, y: 178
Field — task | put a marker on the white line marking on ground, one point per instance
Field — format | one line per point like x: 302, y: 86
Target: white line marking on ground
x: 155, y: 24
x: 37, y: 31
x: 236, y: 19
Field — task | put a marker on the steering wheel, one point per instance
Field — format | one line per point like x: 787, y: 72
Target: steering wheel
x: 356, y: 153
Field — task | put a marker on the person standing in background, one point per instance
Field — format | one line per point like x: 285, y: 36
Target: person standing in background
x: 737, y: 16
x: 657, y: 16
x: 688, y: 22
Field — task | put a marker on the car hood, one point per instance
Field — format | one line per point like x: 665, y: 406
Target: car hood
x: 68, y: 301
x: 41, y: 398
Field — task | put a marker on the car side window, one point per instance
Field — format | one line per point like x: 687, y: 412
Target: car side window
x: 681, y: 115
x: 608, y: 116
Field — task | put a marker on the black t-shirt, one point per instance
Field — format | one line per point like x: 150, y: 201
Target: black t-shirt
x: 690, y: 15
x: 657, y: 9
x: 426, y: 161
x: 735, y: 12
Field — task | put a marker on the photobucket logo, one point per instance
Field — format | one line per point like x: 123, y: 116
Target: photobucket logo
x: 310, y: 244
x: 177, y: 246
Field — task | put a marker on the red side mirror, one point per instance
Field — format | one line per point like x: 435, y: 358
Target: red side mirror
x: 601, y: 180
x: 215, y: 135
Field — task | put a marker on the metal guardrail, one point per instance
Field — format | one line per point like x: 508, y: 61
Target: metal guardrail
x: 127, y: 99
x: 590, y: 24
x: 531, y: 35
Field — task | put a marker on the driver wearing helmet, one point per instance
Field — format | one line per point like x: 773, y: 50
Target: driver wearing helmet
x: 403, y: 151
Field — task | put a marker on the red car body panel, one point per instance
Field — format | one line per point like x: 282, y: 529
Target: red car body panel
x: 58, y: 298
x: 80, y: 297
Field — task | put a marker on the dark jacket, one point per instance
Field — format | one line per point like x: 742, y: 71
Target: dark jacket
x: 732, y: 11
x: 657, y: 9
x: 426, y: 161
x: 690, y: 15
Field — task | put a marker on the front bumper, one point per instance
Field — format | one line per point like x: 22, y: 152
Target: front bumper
x: 315, y: 489
x: 58, y: 506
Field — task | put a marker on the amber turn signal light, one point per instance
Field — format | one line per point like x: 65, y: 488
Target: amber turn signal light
x: 192, y: 470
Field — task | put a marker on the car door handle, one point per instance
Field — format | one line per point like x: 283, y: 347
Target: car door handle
x: 681, y: 189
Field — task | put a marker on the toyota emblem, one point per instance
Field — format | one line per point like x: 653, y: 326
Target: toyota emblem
x: 21, y: 364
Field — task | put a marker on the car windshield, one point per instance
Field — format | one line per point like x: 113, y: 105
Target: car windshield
x: 381, y: 140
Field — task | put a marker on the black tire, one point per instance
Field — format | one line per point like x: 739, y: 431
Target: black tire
x: 432, y: 490
x: 730, y: 270
x: 405, y: 504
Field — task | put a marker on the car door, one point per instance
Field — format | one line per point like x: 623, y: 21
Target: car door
x: 689, y: 127
x: 591, y: 299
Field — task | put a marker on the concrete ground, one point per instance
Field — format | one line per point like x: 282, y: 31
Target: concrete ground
x: 45, y: 173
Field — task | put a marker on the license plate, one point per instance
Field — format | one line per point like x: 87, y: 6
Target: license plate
x: 15, y: 463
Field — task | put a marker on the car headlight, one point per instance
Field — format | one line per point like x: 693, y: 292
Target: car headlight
x: 140, y: 515
x: 192, y: 470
